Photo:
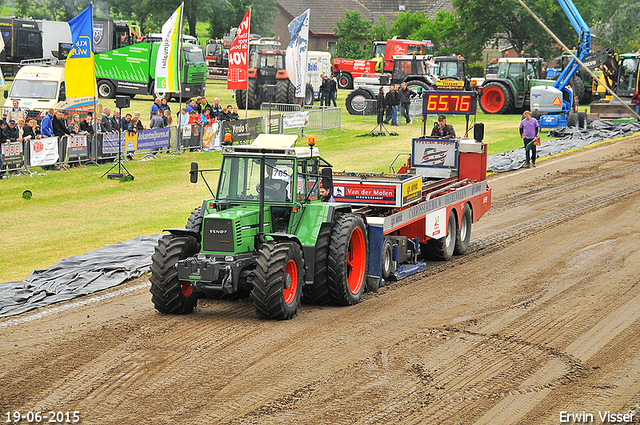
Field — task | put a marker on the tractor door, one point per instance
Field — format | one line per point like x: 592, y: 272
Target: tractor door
x: 628, y: 72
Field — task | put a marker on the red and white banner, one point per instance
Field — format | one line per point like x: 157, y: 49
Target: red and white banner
x: 237, y: 78
x: 44, y: 151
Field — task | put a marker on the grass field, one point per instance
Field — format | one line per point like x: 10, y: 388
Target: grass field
x: 76, y: 211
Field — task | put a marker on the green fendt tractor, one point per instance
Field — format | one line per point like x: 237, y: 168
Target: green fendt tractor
x: 266, y: 232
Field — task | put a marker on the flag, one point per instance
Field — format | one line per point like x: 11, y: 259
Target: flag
x: 79, y: 73
x: 239, y: 56
x: 297, y: 52
x: 168, y: 58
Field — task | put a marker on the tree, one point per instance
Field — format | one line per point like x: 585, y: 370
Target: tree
x: 225, y: 15
x: 484, y: 21
x: 381, y: 30
x: 353, y: 34
x: 616, y: 24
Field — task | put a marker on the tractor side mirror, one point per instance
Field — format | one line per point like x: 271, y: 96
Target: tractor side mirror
x: 193, y: 174
x: 327, y: 178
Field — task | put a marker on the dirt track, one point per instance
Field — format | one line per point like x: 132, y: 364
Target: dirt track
x: 541, y: 316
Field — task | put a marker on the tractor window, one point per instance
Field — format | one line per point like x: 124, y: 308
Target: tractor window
x: 448, y: 69
x: 240, y: 179
x: 307, y: 180
x: 531, y: 70
x: 515, y: 71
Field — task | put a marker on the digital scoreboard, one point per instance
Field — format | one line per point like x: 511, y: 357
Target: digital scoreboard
x: 449, y: 102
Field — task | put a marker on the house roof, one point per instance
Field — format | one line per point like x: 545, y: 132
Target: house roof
x: 325, y: 14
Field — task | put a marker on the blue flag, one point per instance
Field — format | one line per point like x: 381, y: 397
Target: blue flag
x: 79, y: 69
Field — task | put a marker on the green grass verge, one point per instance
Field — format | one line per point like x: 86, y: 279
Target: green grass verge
x: 76, y: 211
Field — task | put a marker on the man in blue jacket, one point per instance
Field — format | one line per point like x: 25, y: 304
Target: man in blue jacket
x: 47, y: 124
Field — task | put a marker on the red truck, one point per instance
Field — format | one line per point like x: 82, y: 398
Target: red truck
x: 382, y: 53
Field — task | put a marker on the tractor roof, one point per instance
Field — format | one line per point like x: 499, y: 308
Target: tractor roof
x: 273, y: 144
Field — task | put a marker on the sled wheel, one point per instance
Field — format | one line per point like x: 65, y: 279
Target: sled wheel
x: 463, y: 236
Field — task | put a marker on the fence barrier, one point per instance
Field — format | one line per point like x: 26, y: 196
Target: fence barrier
x: 370, y: 110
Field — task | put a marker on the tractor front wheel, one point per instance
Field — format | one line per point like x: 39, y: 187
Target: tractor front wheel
x: 278, y: 280
x: 170, y: 295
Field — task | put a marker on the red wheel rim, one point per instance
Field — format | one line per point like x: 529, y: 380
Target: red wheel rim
x: 343, y: 81
x: 356, y: 260
x: 292, y: 271
x: 492, y: 99
x: 187, y: 290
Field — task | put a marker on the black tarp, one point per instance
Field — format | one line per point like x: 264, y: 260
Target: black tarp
x: 79, y: 275
x: 568, y: 138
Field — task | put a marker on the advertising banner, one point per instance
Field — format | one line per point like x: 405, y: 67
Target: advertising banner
x: 43, y: 151
x: 110, y: 142
x: 168, y: 58
x: 153, y: 138
x: 435, y: 153
x: 294, y: 119
x: 237, y: 74
x: 211, y: 137
x: 79, y: 70
x: 12, y: 153
x: 242, y: 130
x: 77, y: 146
x: 364, y: 194
x: 297, y: 52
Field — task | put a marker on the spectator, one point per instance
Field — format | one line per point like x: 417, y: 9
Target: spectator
x: 155, y: 107
x: 380, y: 105
x: 105, y: 122
x: 392, y: 100
x: 60, y: 124
x: 191, y: 106
x: 234, y: 115
x: 529, y: 129
x: 75, y: 121
x: 156, y: 121
x: 194, y: 117
x: 47, y: 123
x: 406, y: 94
x: 168, y: 119
x: 116, y: 122
x: 184, y: 117
x: 198, y: 107
x: 139, y: 125
x: 162, y: 115
x: 164, y: 105
x: 86, y: 125
x: 31, y: 128
x: 9, y: 134
x: 225, y: 113
x: 216, y: 109
x: 325, y: 88
x: 204, y: 104
x: 206, y: 117
x: 333, y: 90
x: 16, y: 112
x: 124, y: 124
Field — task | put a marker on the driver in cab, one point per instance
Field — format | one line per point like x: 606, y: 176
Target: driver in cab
x: 441, y: 130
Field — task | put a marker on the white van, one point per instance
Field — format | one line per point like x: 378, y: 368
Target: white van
x: 38, y: 88
x: 318, y: 63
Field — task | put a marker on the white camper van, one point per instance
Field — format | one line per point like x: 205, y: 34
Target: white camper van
x: 318, y: 63
x: 38, y: 88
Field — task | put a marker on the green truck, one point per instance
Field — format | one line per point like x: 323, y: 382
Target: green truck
x: 130, y: 70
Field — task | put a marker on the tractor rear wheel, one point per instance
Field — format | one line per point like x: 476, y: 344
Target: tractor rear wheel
x: 577, y: 84
x: 348, y: 260
x: 277, y: 280
x: 463, y: 236
x: 582, y: 120
x: 252, y: 101
x: 169, y: 295
x: 442, y: 249
x: 195, y: 220
x: 241, y: 98
x: 572, y: 119
x: 496, y: 99
x: 282, y: 91
x: 318, y: 292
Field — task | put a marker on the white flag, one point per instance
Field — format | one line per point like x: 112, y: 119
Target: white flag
x: 297, y: 52
x: 168, y: 58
